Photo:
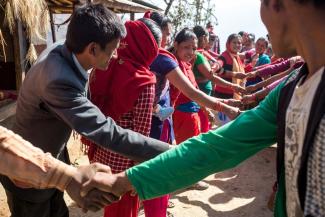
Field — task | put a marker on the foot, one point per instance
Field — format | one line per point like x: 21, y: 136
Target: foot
x: 169, y: 214
x: 170, y: 204
x: 201, y: 186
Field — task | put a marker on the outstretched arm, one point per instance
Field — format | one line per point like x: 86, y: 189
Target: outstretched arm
x: 84, y: 117
x: 29, y: 166
x: 198, y: 157
x: 182, y: 83
x: 206, y: 71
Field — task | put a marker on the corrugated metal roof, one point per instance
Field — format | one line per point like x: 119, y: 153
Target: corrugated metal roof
x: 118, y: 6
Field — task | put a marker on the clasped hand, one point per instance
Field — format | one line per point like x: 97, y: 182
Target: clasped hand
x: 91, y: 197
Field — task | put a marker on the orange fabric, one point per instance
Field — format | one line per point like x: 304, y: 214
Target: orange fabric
x: 238, y: 66
x: 205, y: 124
x: 186, y: 125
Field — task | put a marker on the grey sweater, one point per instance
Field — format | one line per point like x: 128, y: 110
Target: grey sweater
x: 52, y: 102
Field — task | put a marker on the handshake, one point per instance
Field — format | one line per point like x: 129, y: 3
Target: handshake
x: 94, y: 186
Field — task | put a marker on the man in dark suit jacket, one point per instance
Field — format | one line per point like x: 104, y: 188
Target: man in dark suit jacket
x: 53, y: 102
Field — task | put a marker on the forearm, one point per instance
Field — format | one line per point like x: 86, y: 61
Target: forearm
x: 202, y: 99
x: 272, y: 79
x: 213, y: 103
x: 259, y: 95
x: 23, y: 162
x: 199, y: 157
x: 222, y: 82
x: 85, y: 118
x: 182, y: 83
x: 208, y: 153
x: 226, y: 74
x: 274, y: 69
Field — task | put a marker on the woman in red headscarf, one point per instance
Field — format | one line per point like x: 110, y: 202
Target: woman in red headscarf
x: 231, y: 68
x: 125, y: 92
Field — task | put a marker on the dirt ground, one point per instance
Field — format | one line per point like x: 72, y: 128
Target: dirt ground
x: 241, y: 192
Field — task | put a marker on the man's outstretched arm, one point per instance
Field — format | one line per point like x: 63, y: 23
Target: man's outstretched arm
x: 199, y: 156
x: 29, y: 166
x: 23, y: 162
x: 86, y: 119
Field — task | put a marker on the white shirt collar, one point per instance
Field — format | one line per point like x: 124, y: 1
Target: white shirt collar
x: 81, y: 69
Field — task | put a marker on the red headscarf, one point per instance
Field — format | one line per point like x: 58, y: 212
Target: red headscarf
x: 115, y: 90
x: 147, y: 14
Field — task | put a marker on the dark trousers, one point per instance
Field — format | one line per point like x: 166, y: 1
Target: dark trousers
x: 54, y: 207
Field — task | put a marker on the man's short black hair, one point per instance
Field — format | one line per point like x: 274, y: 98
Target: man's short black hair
x: 251, y: 37
x: 241, y: 33
x: 160, y: 19
x: 200, y: 31
x: 316, y: 3
x: 93, y: 23
x: 209, y: 24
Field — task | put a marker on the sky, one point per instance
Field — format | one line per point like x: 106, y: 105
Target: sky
x: 238, y: 15
x: 233, y: 16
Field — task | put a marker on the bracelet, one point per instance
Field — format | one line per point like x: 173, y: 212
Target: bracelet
x: 254, y: 97
x: 222, y: 71
x: 225, y: 101
x: 219, y: 65
x: 218, y: 107
x: 268, y: 89
x: 238, y: 112
x: 257, y: 73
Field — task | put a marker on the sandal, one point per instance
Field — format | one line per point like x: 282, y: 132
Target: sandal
x: 169, y: 214
x: 170, y: 204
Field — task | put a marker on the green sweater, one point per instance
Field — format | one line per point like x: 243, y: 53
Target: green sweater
x: 212, y: 152
x: 206, y: 86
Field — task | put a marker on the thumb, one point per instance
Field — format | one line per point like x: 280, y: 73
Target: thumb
x: 102, y: 168
x: 85, y: 188
x: 101, y: 181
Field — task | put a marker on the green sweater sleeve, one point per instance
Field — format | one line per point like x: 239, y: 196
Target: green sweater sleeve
x: 200, y: 59
x: 215, y: 151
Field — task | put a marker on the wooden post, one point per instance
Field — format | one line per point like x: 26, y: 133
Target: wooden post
x: 52, y: 27
x: 20, y: 51
x: 132, y: 16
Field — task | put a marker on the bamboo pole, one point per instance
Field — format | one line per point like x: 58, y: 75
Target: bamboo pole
x: 19, y: 44
x: 52, y: 27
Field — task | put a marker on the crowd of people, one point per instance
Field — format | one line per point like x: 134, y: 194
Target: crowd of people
x: 134, y: 94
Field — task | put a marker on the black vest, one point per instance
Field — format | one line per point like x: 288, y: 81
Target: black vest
x: 316, y: 114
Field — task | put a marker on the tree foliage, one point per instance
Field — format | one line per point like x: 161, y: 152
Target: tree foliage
x: 188, y: 13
